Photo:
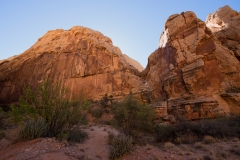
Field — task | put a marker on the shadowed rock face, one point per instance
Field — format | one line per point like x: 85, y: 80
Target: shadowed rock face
x: 191, y: 68
x: 225, y: 24
x: 80, y: 57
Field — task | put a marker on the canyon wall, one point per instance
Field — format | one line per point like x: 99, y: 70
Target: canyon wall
x: 81, y: 58
x: 194, y: 72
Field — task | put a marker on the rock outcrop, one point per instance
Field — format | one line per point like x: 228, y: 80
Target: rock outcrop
x: 195, y: 71
x: 80, y: 57
x: 225, y: 24
x: 191, y: 69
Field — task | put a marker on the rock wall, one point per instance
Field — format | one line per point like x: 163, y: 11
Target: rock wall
x: 191, y: 68
x: 195, y: 71
x: 80, y: 57
x: 225, y: 24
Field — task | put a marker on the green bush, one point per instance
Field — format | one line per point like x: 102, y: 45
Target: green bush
x: 164, y: 133
x: 97, y: 113
x: 120, y: 146
x: 134, y: 117
x: 33, y: 129
x: 77, y: 135
x: 104, y: 101
x: 49, y: 101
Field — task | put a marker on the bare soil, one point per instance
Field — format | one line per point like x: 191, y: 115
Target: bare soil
x: 96, y: 147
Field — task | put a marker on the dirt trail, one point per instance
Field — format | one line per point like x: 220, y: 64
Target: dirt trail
x: 96, y: 148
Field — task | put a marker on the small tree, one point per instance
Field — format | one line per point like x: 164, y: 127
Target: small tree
x: 104, y: 100
x: 133, y: 116
x: 49, y: 102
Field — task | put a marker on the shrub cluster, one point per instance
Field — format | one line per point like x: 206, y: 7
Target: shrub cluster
x: 120, y: 146
x: 49, y: 102
x: 191, y: 131
x: 77, y: 135
x: 97, y: 113
x: 33, y: 129
x: 134, y: 117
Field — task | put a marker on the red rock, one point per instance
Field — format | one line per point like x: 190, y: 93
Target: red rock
x: 225, y: 24
x: 191, y: 68
x: 80, y: 57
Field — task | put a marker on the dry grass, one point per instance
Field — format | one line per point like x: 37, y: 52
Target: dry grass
x: 168, y: 146
x: 209, y: 139
x: 213, y: 155
x: 198, y: 145
x: 235, y: 139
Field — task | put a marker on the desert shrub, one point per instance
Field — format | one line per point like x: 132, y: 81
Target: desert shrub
x: 97, y: 113
x: 1, y: 118
x: 86, y: 105
x: 111, y: 136
x: 198, y: 145
x: 2, y: 135
x: 168, y: 146
x: 48, y: 101
x: 33, y: 129
x: 192, y: 131
x: 207, y: 158
x: 120, y: 146
x: 164, y: 133
x: 104, y: 101
x: 208, y: 139
x: 77, y: 135
x: 218, y: 128
x: 132, y: 116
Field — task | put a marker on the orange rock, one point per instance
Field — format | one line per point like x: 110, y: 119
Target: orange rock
x: 224, y: 23
x: 190, y: 67
x: 80, y: 57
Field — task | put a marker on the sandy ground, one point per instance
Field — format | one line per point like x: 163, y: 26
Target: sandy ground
x: 97, y: 148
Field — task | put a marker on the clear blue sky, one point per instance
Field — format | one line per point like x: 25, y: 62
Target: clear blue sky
x: 133, y: 25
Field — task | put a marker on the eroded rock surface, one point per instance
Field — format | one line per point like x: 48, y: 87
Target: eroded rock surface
x: 191, y: 68
x: 80, y: 57
x: 195, y: 71
x: 225, y: 24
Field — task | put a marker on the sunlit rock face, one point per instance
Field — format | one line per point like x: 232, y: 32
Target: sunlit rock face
x: 191, y: 69
x: 83, y: 59
x: 225, y: 24
x: 194, y: 72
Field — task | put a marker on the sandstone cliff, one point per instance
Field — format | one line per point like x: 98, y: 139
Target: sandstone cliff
x: 195, y: 71
x: 225, y: 24
x: 80, y: 57
x: 191, y: 70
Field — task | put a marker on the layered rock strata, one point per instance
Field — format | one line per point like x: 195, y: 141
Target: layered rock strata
x: 195, y: 71
x: 225, y: 24
x: 83, y: 59
x: 191, y: 69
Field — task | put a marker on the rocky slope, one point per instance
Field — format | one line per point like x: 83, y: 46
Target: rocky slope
x: 191, y: 71
x: 80, y: 57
